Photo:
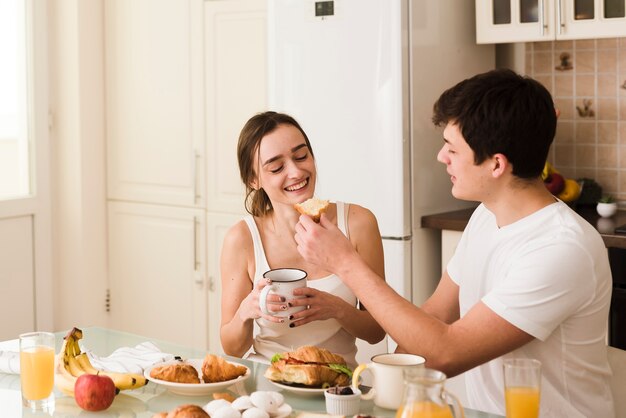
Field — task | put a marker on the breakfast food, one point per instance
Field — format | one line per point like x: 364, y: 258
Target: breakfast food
x: 311, y: 367
x: 184, y: 411
x: 176, y: 372
x: 216, y: 369
x: 224, y: 395
x: 312, y: 207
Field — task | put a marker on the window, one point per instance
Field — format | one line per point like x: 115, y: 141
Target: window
x: 15, y: 176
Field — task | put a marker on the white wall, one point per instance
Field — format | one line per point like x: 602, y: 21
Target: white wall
x: 76, y: 51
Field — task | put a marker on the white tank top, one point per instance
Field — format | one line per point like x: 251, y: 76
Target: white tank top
x: 271, y: 338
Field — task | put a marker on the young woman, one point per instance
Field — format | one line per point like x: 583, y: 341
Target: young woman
x: 277, y: 166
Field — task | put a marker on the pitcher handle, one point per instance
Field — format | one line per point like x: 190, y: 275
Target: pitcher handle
x: 457, y: 408
x: 355, y: 382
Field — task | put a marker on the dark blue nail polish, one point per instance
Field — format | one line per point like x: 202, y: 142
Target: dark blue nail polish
x: 292, y: 325
x: 290, y: 316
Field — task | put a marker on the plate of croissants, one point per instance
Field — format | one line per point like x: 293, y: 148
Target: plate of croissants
x: 197, y: 377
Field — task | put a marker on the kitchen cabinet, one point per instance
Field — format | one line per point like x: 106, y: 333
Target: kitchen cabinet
x: 182, y: 78
x: 154, y: 102
x: 499, y: 21
x: 157, y: 264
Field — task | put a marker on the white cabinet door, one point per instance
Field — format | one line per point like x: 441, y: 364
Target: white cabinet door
x: 236, y: 72
x: 500, y: 21
x: 154, y: 101
x: 17, y: 299
x: 156, y: 272
x: 217, y: 226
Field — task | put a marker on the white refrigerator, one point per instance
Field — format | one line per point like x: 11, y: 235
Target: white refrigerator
x: 361, y: 77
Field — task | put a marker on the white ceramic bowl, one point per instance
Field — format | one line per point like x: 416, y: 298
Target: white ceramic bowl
x: 606, y: 209
x: 347, y: 405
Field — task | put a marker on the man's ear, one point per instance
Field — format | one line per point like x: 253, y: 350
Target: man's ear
x: 500, y: 165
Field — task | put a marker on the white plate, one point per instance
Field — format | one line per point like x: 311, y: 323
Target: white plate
x: 300, y: 390
x: 195, y: 389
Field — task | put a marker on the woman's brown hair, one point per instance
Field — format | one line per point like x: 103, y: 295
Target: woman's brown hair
x: 257, y: 202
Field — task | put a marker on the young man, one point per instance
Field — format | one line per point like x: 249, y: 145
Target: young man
x: 530, y: 278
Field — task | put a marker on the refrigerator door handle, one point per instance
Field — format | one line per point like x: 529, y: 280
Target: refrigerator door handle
x: 404, y: 238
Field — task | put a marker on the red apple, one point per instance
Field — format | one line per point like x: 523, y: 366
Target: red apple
x: 94, y: 392
x: 555, y: 183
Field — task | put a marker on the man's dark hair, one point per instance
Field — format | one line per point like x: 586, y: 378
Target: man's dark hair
x: 502, y: 112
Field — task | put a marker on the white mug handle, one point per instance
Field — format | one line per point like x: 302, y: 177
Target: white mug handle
x: 263, y: 299
x: 355, y: 381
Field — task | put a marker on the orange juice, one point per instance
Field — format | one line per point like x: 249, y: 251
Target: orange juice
x: 521, y: 402
x: 424, y: 409
x: 37, y: 372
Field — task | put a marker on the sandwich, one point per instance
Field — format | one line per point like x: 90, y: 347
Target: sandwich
x: 309, y: 366
x: 312, y: 207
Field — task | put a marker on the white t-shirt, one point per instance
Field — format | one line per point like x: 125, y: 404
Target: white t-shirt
x: 548, y: 274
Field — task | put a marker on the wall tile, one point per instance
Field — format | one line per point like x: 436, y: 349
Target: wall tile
x: 622, y: 135
x: 585, y: 156
x: 585, y: 44
x: 566, y: 106
x: 607, y: 61
x: 564, y: 132
x: 585, y: 62
x: 607, y: 133
x: 606, y: 157
x: 542, y: 63
x: 607, y: 85
x: 607, y: 109
x: 585, y: 132
x: 564, y: 156
x: 586, y: 85
x: 563, y: 84
x: 595, y: 146
x: 607, y: 43
x: 609, y: 180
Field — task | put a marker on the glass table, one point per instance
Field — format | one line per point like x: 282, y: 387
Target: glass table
x: 152, y: 398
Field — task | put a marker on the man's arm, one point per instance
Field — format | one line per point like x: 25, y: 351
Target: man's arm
x: 453, y: 348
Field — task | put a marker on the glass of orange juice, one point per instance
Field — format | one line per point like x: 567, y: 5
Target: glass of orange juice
x: 37, y: 369
x: 522, y: 387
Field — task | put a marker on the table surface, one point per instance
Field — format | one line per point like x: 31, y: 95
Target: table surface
x: 152, y: 398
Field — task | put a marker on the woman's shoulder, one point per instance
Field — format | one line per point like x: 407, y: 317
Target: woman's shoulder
x: 359, y: 215
x: 238, y: 235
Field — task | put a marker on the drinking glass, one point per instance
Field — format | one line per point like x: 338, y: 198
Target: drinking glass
x: 522, y: 387
x: 37, y: 369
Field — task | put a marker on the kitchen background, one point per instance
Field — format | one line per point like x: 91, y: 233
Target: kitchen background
x: 587, y: 79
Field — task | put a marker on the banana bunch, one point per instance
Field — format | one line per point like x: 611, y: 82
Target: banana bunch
x: 70, y: 363
x: 567, y: 190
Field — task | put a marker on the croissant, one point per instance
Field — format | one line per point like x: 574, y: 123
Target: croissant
x: 216, y: 369
x: 178, y: 373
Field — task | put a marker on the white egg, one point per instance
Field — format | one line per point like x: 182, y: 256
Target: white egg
x: 242, y: 402
x: 278, y: 398
x: 226, y: 412
x: 265, y: 400
x: 255, y: 413
x: 214, y: 405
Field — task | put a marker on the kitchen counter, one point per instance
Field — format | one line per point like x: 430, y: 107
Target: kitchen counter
x: 457, y: 220
x: 152, y: 398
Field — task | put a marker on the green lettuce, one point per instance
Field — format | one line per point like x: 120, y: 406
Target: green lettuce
x: 276, y: 357
x: 341, y: 368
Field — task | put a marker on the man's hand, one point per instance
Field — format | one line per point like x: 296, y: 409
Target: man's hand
x: 322, y: 244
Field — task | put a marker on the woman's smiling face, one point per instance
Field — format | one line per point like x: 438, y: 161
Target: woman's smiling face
x: 285, y: 166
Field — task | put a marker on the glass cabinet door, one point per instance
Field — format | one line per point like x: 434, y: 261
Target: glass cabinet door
x: 500, y: 21
x: 588, y: 19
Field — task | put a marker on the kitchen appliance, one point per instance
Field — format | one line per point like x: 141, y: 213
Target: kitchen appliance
x: 361, y: 77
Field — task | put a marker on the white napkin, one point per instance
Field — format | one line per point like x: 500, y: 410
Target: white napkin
x: 9, y: 362
x: 130, y: 359
x: 125, y: 359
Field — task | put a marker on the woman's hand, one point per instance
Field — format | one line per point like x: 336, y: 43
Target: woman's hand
x: 318, y: 306
x: 250, y: 309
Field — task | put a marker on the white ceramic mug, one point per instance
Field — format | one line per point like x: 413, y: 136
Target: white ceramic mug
x: 284, y: 281
x: 387, y: 369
